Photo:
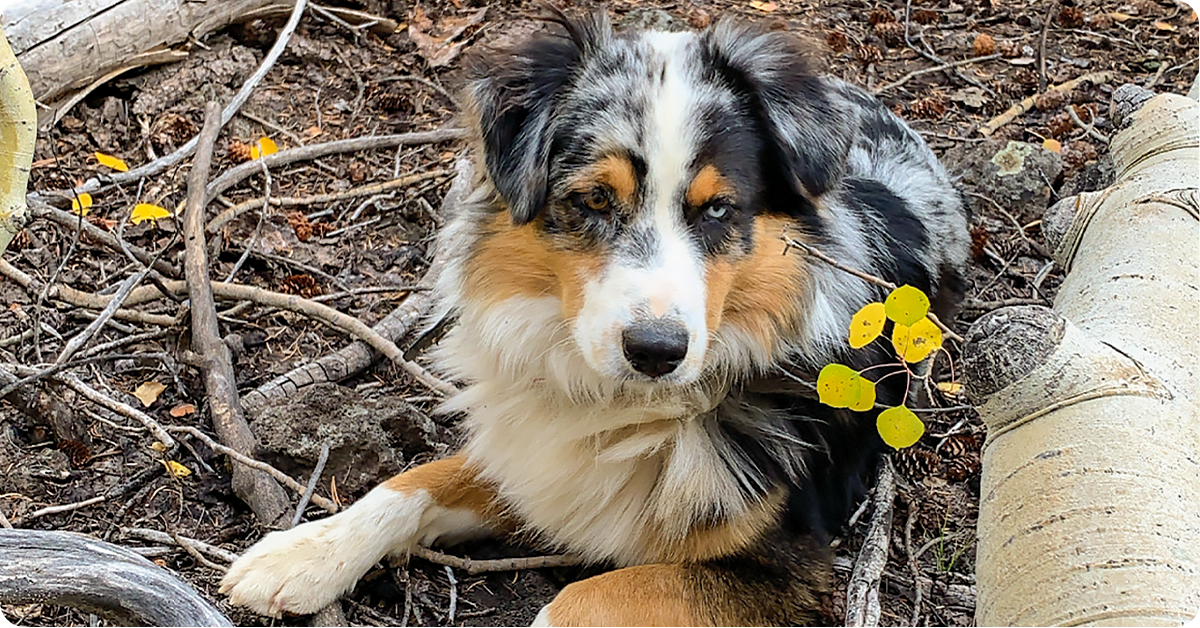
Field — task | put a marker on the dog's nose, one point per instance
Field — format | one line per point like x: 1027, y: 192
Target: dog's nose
x: 655, y: 347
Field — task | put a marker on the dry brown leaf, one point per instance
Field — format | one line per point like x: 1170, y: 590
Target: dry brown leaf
x: 1120, y: 17
x: 439, y: 50
x: 182, y: 410
x: 148, y: 392
x: 765, y: 7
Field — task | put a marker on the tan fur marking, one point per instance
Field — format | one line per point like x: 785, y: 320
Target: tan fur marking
x: 730, y: 537
x: 614, y: 172
x: 516, y: 261
x: 707, y: 185
x: 453, y: 485
x: 646, y: 595
x: 763, y: 288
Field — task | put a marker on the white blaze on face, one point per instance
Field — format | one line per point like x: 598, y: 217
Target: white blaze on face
x: 669, y: 283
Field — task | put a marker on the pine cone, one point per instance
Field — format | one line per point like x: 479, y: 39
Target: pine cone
x: 1077, y: 153
x: 979, y: 240
x: 300, y: 225
x: 868, y: 54
x: 916, y: 463
x: 984, y: 45
x: 925, y: 16
x: 239, y: 152
x: 170, y: 131
x: 963, y: 468
x: 391, y: 101
x: 837, y: 41
x: 1070, y: 17
x: 1060, y: 124
x: 303, y: 285
x: 892, y: 33
x: 880, y: 16
x: 931, y: 108
x: 1050, y: 101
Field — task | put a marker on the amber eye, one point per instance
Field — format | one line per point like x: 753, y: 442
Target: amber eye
x: 596, y: 200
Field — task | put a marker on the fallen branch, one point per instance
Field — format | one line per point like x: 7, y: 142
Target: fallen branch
x: 357, y: 356
x: 156, y: 536
x: 75, y: 570
x: 991, y: 126
x: 862, y: 593
x: 258, y: 490
x: 292, y: 201
x: 945, y: 66
x: 257, y: 465
x: 473, y: 567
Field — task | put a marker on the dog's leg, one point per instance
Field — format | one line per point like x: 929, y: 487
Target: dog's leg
x: 773, y: 584
x: 303, y: 569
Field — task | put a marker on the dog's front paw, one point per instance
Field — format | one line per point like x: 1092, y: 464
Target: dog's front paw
x: 294, y: 571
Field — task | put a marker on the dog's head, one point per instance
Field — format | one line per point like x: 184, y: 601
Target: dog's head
x: 647, y: 179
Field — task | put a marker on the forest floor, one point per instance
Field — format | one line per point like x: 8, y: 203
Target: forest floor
x: 363, y: 252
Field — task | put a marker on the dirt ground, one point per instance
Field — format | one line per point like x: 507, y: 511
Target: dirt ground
x: 336, y: 81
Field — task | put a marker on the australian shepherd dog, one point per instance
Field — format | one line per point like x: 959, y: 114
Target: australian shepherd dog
x: 633, y: 333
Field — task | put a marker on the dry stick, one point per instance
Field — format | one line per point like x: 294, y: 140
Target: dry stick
x: 991, y: 126
x: 1050, y: 12
x: 312, y: 484
x: 291, y: 201
x: 945, y: 66
x: 201, y: 558
x: 912, y: 562
x: 872, y: 279
x: 237, y: 174
x: 1088, y: 128
x: 66, y: 219
x: 268, y: 501
x: 357, y: 356
x: 120, y: 408
x: 155, y: 536
x: 162, y: 163
x: 474, y: 567
x: 453, y: 594
x: 76, y: 343
x: 79, y: 298
x: 862, y: 594
x: 247, y: 461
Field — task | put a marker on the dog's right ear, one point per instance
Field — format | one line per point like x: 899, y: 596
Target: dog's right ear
x: 512, y: 95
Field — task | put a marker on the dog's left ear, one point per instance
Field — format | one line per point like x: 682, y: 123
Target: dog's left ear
x: 808, y: 124
x: 511, y: 97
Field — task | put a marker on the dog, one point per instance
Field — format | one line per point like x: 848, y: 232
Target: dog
x: 633, y: 332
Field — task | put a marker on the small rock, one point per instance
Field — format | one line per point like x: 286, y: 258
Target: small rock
x: 369, y: 440
x: 1016, y: 175
x: 651, y: 19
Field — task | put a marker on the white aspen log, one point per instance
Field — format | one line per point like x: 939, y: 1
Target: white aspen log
x: 67, y: 45
x: 18, y: 133
x: 1090, y: 498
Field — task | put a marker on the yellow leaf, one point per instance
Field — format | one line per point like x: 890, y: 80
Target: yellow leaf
x: 915, y: 343
x: 906, y: 305
x: 116, y: 163
x: 254, y: 153
x: 866, y: 400
x: 178, y: 470
x: 182, y: 410
x: 899, y: 427
x: 867, y: 324
x: 81, y: 204
x: 953, y: 389
x: 1053, y: 146
x: 266, y: 146
x: 147, y: 211
x: 157, y: 446
x: 839, y: 386
x: 765, y: 7
x: 148, y: 392
x: 1163, y: 26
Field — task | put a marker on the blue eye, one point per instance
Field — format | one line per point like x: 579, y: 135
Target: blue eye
x: 717, y: 211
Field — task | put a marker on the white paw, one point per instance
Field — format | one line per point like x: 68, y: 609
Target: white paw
x: 295, y: 571
x: 302, y: 570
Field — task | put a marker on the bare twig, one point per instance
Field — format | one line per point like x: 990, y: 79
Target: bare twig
x: 312, y: 484
x: 123, y: 409
x: 1025, y: 105
x: 862, y: 593
x: 912, y: 562
x: 473, y: 567
x: 1087, y: 127
x: 872, y: 279
x: 230, y: 110
x: 1050, y: 11
x: 453, y: 594
x: 237, y: 456
x: 156, y: 536
x: 263, y: 495
x: 200, y: 558
x: 85, y: 299
x: 945, y: 66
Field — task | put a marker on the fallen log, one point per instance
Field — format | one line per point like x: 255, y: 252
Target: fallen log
x: 67, y: 45
x: 1090, y: 498
x: 82, y: 572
